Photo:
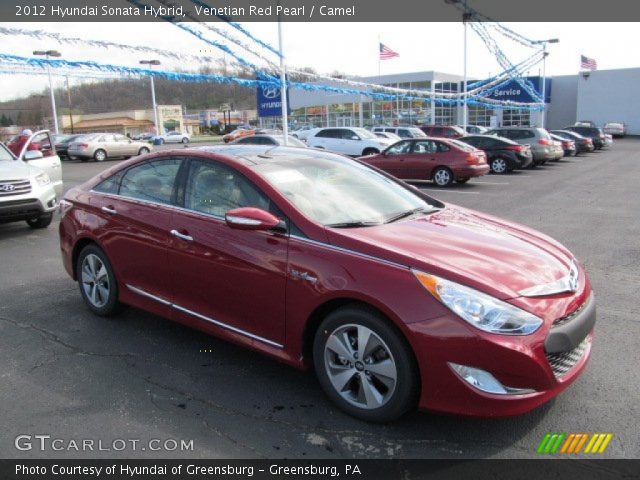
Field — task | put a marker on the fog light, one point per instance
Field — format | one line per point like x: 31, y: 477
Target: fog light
x: 484, y: 381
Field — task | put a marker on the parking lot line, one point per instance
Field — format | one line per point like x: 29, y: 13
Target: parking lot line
x: 440, y: 190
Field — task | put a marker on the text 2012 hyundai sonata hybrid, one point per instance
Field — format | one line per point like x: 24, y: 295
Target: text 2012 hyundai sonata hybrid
x: 394, y: 298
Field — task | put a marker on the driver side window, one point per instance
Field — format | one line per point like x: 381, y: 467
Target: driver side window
x: 214, y: 189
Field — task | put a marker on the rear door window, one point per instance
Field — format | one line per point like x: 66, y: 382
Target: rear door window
x: 151, y: 181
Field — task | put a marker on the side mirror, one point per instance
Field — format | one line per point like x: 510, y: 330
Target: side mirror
x: 250, y: 218
x: 32, y: 155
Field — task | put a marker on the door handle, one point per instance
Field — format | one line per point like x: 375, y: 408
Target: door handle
x: 182, y: 236
x: 109, y: 210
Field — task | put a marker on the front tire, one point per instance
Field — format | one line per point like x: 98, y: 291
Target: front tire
x: 99, y: 155
x: 97, y: 281
x: 442, y: 177
x: 42, y: 221
x: 364, y: 365
x: 370, y: 151
x: 143, y: 151
x: 185, y: 140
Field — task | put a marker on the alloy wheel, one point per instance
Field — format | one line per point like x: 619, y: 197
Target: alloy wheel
x: 95, y: 280
x: 360, y: 366
x: 498, y: 165
x: 442, y: 177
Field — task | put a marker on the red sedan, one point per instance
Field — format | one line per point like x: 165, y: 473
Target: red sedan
x: 396, y: 299
x: 443, y: 161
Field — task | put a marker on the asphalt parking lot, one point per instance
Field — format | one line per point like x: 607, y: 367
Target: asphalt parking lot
x: 71, y: 375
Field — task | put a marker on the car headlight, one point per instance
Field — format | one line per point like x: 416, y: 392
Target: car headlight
x: 43, y: 179
x: 479, y: 309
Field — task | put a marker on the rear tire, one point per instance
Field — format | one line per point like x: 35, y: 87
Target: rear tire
x: 99, y: 155
x: 499, y: 166
x: 185, y: 140
x: 442, y: 177
x: 42, y: 221
x: 376, y: 382
x: 143, y: 151
x: 97, y: 282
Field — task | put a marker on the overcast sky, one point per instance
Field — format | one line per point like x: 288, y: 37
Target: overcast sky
x: 348, y: 47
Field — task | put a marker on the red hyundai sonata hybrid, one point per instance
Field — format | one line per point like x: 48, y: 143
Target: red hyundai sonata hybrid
x: 394, y: 298
x: 437, y: 159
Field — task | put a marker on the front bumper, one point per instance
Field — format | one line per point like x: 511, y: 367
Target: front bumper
x: 30, y: 205
x: 544, y: 363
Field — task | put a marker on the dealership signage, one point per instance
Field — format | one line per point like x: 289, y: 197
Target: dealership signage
x: 270, y: 101
x: 513, y: 91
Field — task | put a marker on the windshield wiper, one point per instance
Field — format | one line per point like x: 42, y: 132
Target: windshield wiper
x: 352, y: 224
x: 408, y: 213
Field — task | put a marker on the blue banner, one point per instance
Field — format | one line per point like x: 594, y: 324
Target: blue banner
x: 512, y: 91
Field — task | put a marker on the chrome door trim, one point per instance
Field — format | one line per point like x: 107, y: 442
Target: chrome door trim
x: 148, y: 295
x: 181, y: 236
x: 203, y: 317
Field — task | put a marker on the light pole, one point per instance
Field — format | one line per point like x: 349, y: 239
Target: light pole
x: 151, y: 63
x: 47, y: 54
x: 283, y: 86
x: 544, y: 75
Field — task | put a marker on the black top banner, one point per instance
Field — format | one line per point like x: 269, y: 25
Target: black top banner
x: 317, y: 10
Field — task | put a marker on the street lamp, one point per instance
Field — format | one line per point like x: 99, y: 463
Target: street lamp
x: 153, y: 93
x: 47, y: 54
x: 544, y: 74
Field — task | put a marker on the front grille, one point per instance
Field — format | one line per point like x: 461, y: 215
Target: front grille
x: 571, y: 316
x: 14, y: 187
x: 562, y: 363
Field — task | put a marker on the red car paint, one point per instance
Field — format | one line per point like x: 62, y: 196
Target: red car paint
x: 464, y: 162
x: 244, y: 280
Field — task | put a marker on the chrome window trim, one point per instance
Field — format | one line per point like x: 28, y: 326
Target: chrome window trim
x: 350, y: 252
x: 203, y: 317
x: 242, y: 220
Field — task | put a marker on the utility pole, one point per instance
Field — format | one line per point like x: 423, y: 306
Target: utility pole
x: 151, y: 63
x: 544, y: 76
x: 47, y: 54
x: 70, y: 106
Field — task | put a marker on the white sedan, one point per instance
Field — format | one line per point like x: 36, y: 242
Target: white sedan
x: 174, y: 137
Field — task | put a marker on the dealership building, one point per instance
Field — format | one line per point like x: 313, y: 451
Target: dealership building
x: 601, y: 96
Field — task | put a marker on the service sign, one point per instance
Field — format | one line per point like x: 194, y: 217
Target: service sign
x: 514, y: 92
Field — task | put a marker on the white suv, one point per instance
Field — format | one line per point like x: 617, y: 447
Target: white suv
x: 31, y: 185
x: 348, y: 141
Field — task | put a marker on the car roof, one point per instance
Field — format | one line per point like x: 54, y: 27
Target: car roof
x: 252, y: 155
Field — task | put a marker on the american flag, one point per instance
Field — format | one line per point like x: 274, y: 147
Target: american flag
x: 386, y: 53
x: 588, y: 63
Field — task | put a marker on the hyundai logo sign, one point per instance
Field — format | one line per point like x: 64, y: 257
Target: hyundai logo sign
x: 270, y: 92
x: 6, y: 187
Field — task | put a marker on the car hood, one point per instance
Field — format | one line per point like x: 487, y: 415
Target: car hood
x: 483, y: 252
x: 16, y: 170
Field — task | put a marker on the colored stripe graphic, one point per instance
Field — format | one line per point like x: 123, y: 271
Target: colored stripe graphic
x: 573, y: 443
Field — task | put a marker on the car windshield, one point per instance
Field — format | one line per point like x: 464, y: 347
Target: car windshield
x: 362, y: 133
x: 462, y: 146
x: 336, y: 192
x: 5, y: 154
x: 416, y: 132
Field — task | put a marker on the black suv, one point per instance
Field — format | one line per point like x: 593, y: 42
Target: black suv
x: 594, y: 133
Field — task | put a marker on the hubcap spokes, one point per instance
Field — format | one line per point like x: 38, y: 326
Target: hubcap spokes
x: 499, y: 166
x: 442, y: 177
x: 360, y: 366
x: 95, y: 280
